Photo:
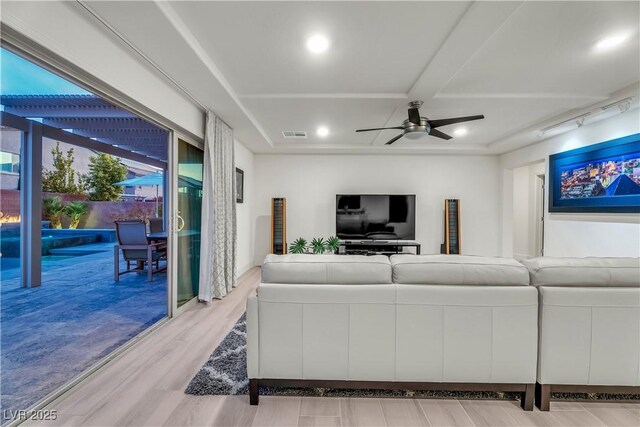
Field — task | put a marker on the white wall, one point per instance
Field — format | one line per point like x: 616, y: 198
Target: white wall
x: 310, y: 184
x: 526, y: 209
x: 521, y: 212
x: 244, y: 211
x: 579, y: 235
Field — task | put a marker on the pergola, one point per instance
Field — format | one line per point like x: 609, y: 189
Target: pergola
x: 94, y: 118
x: 83, y: 120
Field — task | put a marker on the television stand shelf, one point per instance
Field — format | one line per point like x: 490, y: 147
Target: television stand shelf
x: 376, y: 247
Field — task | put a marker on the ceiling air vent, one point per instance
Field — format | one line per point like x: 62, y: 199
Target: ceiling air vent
x: 294, y: 134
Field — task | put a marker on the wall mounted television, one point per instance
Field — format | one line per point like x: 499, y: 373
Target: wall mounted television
x: 376, y: 216
x: 603, y: 177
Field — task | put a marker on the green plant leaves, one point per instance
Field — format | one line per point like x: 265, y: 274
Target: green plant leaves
x: 332, y: 244
x: 318, y: 245
x: 54, y: 208
x: 62, y: 178
x: 104, y: 171
x: 299, y: 246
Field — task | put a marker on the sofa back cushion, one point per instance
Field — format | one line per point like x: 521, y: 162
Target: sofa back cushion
x: 595, y: 272
x: 457, y: 270
x: 326, y: 269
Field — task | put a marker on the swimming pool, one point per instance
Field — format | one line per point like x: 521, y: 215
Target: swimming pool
x: 53, y: 239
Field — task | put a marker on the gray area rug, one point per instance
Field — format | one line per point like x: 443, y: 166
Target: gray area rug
x: 225, y: 373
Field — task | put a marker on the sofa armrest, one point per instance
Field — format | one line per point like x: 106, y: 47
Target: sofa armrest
x: 253, y: 359
x: 589, y: 336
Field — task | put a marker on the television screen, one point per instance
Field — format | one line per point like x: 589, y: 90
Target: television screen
x: 603, y: 177
x: 376, y: 217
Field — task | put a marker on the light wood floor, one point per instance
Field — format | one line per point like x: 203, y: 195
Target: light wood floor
x: 146, y: 387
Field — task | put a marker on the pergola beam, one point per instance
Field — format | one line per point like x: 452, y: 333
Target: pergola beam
x: 141, y: 143
x: 122, y: 134
x: 55, y: 111
x: 98, y: 123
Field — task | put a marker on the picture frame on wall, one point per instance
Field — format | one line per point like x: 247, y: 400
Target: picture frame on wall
x: 600, y: 178
x: 239, y: 185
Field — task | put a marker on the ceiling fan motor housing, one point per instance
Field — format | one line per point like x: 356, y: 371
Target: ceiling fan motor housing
x: 410, y: 127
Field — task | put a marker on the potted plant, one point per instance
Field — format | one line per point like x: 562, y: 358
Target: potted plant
x: 299, y: 246
x: 332, y: 244
x: 53, y: 209
x: 75, y: 211
x: 317, y: 245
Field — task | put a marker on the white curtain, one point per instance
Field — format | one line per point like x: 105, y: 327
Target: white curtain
x: 219, y: 234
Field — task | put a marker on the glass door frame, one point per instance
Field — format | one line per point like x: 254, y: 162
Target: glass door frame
x: 172, y: 207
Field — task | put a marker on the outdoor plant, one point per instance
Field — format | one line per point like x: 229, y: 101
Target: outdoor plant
x: 317, y: 245
x: 62, y: 178
x: 104, y: 171
x: 53, y: 209
x: 332, y: 244
x: 299, y: 246
x: 75, y: 211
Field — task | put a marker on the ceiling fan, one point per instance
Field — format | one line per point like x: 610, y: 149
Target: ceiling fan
x: 415, y: 125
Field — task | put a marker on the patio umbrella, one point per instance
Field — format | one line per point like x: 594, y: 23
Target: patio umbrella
x: 149, y: 180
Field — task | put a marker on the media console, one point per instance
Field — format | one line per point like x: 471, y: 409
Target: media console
x: 376, y: 247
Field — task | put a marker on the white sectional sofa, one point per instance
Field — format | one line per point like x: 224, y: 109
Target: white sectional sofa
x: 589, y: 325
x: 409, y: 322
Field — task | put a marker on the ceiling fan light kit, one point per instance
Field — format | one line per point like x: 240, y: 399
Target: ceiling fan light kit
x: 415, y: 127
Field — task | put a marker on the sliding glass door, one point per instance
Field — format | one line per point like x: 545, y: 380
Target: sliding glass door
x: 66, y: 156
x: 188, y: 220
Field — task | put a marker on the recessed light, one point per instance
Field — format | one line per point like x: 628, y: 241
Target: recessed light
x: 322, y: 131
x: 611, y: 42
x: 318, y: 43
x: 460, y: 131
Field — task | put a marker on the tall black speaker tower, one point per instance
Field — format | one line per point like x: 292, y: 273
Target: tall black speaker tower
x: 451, y: 245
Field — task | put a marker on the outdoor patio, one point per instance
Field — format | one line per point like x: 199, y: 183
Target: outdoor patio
x: 52, y: 333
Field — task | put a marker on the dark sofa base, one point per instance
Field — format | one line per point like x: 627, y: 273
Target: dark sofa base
x: 526, y: 390
x: 543, y: 391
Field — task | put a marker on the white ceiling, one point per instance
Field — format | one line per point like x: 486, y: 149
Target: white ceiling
x: 524, y: 65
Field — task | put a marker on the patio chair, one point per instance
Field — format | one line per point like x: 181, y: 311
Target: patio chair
x: 156, y: 225
x: 132, y: 241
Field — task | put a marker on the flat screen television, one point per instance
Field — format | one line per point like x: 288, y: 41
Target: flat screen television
x: 376, y: 216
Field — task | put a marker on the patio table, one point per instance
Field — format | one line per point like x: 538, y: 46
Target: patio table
x: 160, y: 235
x: 163, y: 235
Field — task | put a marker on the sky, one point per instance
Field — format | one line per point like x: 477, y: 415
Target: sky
x: 20, y: 77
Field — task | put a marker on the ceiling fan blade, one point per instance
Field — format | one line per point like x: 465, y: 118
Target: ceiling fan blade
x: 414, y: 116
x: 438, y: 134
x: 444, y: 122
x: 392, y: 140
x: 369, y: 130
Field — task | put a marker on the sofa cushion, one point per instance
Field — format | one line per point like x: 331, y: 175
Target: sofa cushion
x: 457, y: 270
x: 292, y: 293
x: 597, y: 272
x: 330, y: 269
